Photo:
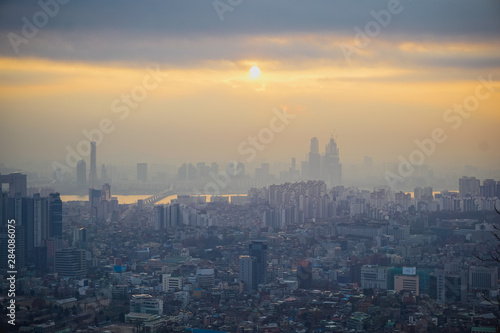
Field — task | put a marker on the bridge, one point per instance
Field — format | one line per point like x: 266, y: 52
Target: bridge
x: 149, y: 201
x: 158, y: 197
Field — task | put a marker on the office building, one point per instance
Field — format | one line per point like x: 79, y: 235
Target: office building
x: 448, y: 287
x: 144, y: 303
x: 170, y: 282
x: 205, y: 278
x: 258, y: 250
x: 55, y: 215
x: 373, y: 277
x: 71, y: 263
x: 483, y: 278
x: 246, y: 276
x: 408, y: 283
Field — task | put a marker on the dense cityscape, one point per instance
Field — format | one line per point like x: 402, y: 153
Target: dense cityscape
x: 249, y: 166
x: 303, y: 256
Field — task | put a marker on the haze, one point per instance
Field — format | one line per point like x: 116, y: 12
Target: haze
x: 395, y: 89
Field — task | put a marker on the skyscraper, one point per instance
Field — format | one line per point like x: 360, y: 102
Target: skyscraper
x: 258, y: 251
x: 142, y: 172
x: 332, y: 169
x: 246, y: 264
x: 17, y: 183
x: 314, y: 165
x: 55, y: 215
x: 93, y: 165
x: 81, y: 174
x: 41, y: 220
x: 94, y: 203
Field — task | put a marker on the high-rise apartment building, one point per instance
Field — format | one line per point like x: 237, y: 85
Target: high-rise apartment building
x: 469, y: 186
x: 489, y: 188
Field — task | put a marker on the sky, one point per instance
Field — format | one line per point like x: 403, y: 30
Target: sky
x: 168, y: 81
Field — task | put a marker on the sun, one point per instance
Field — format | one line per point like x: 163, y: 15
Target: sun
x: 255, y: 72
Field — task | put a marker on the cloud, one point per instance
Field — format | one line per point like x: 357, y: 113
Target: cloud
x: 131, y: 30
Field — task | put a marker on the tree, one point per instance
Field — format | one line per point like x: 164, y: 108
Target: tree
x: 492, y: 256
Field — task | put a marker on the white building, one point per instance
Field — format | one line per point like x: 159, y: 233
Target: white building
x: 170, y: 282
x: 373, y: 277
x: 144, y: 303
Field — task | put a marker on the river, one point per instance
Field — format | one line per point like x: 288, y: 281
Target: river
x: 132, y: 199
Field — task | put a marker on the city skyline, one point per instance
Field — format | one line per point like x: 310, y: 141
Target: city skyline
x: 165, y: 98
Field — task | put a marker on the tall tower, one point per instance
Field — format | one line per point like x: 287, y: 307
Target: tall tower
x: 81, y: 174
x: 314, y: 160
x: 93, y: 165
x: 332, y: 169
